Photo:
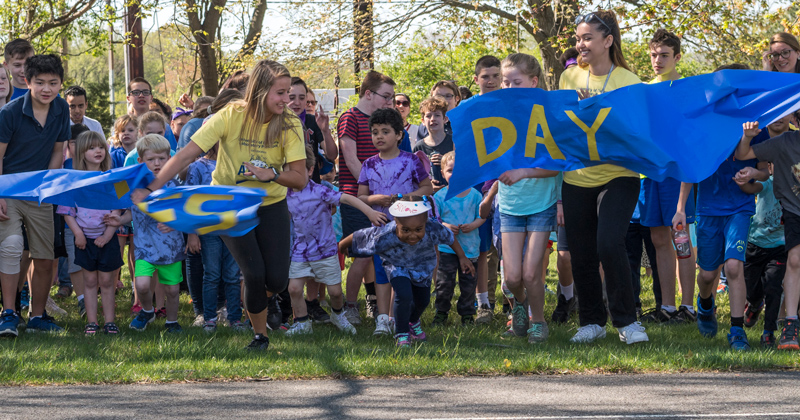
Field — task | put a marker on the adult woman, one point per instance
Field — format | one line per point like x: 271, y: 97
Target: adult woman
x: 599, y: 201
x: 259, y: 131
x: 403, y: 105
x: 783, y: 54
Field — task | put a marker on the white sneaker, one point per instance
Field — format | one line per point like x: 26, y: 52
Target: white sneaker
x: 300, y: 328
x: 588, y: 333
x: 351, y: 312
x: 382, y: 325
x: 222, y: 317
x: 199, y: 321
x: 632, y: 333
x: 341, y: 322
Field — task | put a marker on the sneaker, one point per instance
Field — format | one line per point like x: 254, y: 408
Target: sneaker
x: 382, y: 326
x: 285, y: 326
x: 238, y: 326
x: 485, y: 314
x: 199, y: 321
x: 161, y: 313
x: 416, y: 332
x: 684, y: 316
x: 91, y: 329
x: 142, y: 319
x: 110, y: 328
x: 260, y: 342
x: 300, y: 328
x: 722, y: 287
x: 788, y: 340
x: 351, y: 312
x: 751, y: 314
x: 564, y: 308
x: 768, y: 340
x: 632, y: 333
x: 52, y: 308
x: 316, y: 313
x: 222, y: 316
x: 403, y: 340
x: 44, y: 323
x: 82, y: 308
x: 341, y: 322
x: 738, y: 339
x: 135, y: 309
x: 9, y: 321
x: 24, y: 299
x: 274, y: 314
x: 467, y: 320
x: 64, y: 292
x: 706, y: 320
x: 372, y: 306
x: 588, y: 333
x: 210, y: 326
x: 538, y: 332
x: 519, y: 321
x: 506, y: 308
x: 173, y: 327
x: 440, y: 318
x: 657, y: 316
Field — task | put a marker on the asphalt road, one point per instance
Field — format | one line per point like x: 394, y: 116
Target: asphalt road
x: 772, y: 395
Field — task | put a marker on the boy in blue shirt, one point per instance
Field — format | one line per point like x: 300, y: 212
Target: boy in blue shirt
x: 15, y: 54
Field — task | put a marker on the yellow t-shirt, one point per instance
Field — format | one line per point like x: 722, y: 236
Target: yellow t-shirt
x: 575, y: 78
x: 226, y: 128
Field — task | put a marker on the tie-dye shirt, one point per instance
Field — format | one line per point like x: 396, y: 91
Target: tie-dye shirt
x: 150, y: 244
x: 400, y: 259
x: 90, y: 221
x: 311, y: 217
x: 400, y: 175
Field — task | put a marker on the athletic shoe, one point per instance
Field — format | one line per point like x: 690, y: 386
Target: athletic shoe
x: 199, y: 321
x: 788, y: 340
x: 52, y: 308
x: 173, y: 327
x: 403, y: 340
x: 222, y: 316
x: 467, y: 320
x: 91, y: 329
x: 737, y: 339
x: 751, y: 314
x: 632, y: 333
x: 274, y: 315
x: 9, y: 321
x: 44, y: 323
x: 82, y: 308
x: 260, y: 342
x: 238, y: 325
x: 142, y: 319
x: 351, y: 312
x: 723, y: 286
x: 416, y: 332
x: 768, y: 340
x: 24, y: 299
x: 485, y: 314
x: 161, y: 313
x: 210, y: 326
x: 300, y: 328
x: 684, y: 316
x: 285, y: 326
x: 657, y: 316
x: 519, y: 320
x: 440, y: 318
x: 110, y: 328
x: 64, y: 292
x: 506, y: 308
x: 706, y: 320
x: 135, y: 309
x: 564, y: 308
x: 538, y: 332
x: 588, y: 334
x: 316, y: 313
x: 341, y: 322
x: 382, y: 326
x: 372, y: 306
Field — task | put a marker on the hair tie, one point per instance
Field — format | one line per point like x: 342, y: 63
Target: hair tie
x: 570, y: 62
x: 209, y: 110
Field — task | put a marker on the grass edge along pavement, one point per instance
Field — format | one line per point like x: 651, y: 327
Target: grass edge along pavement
x: 155, y: 356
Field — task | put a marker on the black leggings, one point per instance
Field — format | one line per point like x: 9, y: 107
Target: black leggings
x: 597, y: 221
x: 410, y: 301
x: 263, y: 255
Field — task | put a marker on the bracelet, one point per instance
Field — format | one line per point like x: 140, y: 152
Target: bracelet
x: 558, y: 202
x: 148, y: 189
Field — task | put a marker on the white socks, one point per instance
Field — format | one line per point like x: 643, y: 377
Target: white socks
x: 483, y: 298
x: 567, y: 291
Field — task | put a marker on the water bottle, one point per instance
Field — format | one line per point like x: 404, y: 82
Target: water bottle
x: 681, y: 240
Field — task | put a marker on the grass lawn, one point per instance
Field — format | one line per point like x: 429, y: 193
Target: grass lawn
x: 155, y: 356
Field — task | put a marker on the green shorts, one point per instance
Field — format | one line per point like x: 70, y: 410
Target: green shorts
x: 169, y: 274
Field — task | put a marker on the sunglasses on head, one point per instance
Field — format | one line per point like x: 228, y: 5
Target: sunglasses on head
x: 589, y: 18
x: 402, y: 103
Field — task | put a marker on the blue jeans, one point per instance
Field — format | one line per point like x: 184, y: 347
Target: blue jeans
x: 194, y: 277
x: 410, y: 301
x: 219, y: 268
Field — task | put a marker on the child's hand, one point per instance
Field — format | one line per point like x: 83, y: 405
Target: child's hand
x: 467, y: 227
x: 377, y: 218
x: 560, y: 214
x: 584, y: 93
x: 751, y: 129
x: 436, y: 159
x: 80, y: 240
x: 322, y: 120
x: 453, y: 228
x: 103, y: 240
x: 3, y: 210
x: 343, y: 249
x: 745, y: 175
x: 436, y: 185
x: 381, y: 200
x: 164, y: 228
x: 678, y: 219
x: 466, y: 265
x: 138, y: 195
x: 112, y: 219
x: 512, y: 176
x: 193, y: 244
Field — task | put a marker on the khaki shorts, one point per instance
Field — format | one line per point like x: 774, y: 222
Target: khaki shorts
x: 325, y: 271
x: 38, y: 226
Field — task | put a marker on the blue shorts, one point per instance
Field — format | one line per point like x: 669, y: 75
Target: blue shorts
x: 721, y: 238
x: 380, y: 273
x: 544, y: 221
x: 660, y: 201
x: 486, y: 235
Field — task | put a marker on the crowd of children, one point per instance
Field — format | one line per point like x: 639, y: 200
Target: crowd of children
x: 389, y: 213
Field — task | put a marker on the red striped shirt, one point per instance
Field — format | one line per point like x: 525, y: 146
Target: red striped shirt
x: 354, y: 124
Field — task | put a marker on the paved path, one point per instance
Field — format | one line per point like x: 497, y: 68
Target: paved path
x: 680, y: 396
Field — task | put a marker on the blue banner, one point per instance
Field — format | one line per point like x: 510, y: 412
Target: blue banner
x: 206, y: 209
x: 681, y: 129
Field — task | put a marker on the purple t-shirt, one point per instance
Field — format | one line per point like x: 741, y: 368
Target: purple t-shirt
x: 311, y: 217
x: 90, y: 221
x: 400, y: 175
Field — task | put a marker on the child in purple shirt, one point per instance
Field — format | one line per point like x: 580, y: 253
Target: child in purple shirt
x: 314, y: 252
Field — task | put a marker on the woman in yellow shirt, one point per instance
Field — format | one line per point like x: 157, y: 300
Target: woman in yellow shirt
x: 598, y: 201
x: 260, y: 146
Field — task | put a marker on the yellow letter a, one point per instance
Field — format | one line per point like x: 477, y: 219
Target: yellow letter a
x: 590, y: 132
x: 507, y: 131
x: 538, y: 119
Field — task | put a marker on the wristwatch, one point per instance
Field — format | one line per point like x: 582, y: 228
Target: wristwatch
x: 277, y: 174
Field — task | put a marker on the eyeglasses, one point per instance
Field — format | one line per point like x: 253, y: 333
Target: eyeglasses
x: 589, y: 18
x: 402, y: 103
x: 140, y: 93
x: 312, y: 103
x: 447, y: 96
x: 387, y: 98
x: 774, y: 56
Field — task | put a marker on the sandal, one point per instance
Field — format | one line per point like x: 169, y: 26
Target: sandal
x: 110, y: 328
x: 91, y: 328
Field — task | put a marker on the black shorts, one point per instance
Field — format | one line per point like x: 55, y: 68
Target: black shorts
x: 352, y: 220
x: 94, y: 258
x: 791, y: 229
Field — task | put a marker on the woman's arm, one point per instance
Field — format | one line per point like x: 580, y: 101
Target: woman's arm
x: 294, y: 174
x: 177, y: 163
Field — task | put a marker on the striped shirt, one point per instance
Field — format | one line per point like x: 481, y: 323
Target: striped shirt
x: 354, y: 124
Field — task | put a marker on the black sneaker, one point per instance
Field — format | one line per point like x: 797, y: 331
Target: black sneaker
x: 82, y: 308
x: 506, y: 308
x: 372, y: 306
x: 564, y: 308
x: 440, y: 318
x: 657, y: 316
x: 173, y: 327
x: 274, y: 315
x: 788, y: 340
x: 467, y: 320
x: 768, y: 340
x: 316, y: 313
x: 684, y: 316
x: 260, y: 342
x: 751, y: 314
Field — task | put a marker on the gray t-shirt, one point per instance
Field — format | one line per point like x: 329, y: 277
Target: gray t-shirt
x: 784, y: 153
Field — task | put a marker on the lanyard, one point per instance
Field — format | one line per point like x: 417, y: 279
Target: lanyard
x: 589, y: 74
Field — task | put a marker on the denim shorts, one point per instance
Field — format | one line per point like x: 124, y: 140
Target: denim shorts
x: 544, y: 221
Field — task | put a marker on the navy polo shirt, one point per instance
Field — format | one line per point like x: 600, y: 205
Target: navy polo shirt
x: 30, y: 146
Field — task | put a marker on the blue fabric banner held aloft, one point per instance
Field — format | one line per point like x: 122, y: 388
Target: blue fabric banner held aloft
x: 682, y: 129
